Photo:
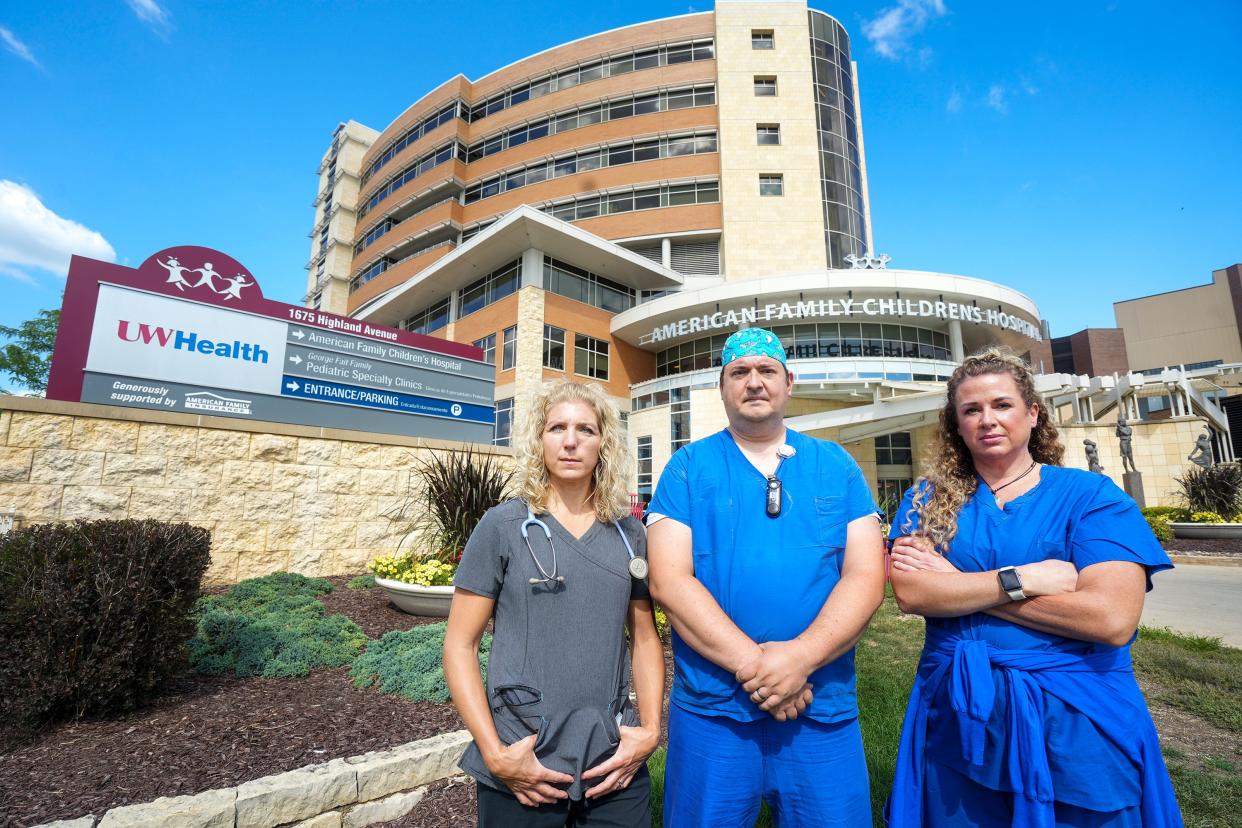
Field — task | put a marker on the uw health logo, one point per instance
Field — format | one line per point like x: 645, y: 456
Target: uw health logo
x: 207, y: 275
x: 189, y: 341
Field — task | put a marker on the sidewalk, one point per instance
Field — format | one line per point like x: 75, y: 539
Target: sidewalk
x: 1200, y: 599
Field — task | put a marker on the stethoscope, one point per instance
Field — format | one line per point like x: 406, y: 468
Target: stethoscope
x: 638, y: 566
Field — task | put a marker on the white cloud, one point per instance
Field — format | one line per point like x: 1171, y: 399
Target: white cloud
x: 996, y: 98
x: 891, y: 30
x: 954, y: 104
x: 32, y: 236
x: 16, y: 46
x: 151, y: 12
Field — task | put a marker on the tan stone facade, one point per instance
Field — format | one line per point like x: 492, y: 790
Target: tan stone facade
x: 275, y: 497
x: 1160, y: 450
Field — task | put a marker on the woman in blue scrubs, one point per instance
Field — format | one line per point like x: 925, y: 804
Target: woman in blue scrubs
x: 1025, y: 710
x: 561, y: 573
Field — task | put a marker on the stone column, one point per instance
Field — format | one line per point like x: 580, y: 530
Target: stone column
x: 956, y: 349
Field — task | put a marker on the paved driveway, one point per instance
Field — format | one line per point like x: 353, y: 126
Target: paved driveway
x: 1204, y: 600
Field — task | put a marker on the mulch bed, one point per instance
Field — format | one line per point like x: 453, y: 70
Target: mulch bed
x: 210, y: 732
x: 1206, y: 547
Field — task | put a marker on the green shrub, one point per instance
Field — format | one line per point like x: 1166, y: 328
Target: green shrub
x: 1214, y: 489
x: 410, y: 663
x: 1206, y: 517
x: 272, y: 626
x: 361, y: 582
x: 1174, y: 513
x: 1161, y: 527
x: 94, y: 615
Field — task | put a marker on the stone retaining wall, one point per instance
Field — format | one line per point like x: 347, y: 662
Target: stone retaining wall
x: 275, y: 496
x: 344, y: 793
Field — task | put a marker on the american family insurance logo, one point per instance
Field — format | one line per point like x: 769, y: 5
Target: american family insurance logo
x: 189, y: 342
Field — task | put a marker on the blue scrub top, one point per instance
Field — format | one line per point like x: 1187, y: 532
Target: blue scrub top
x: 1070, y: 515
x: 771, y: 576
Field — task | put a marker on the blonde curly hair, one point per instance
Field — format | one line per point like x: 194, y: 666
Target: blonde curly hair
x: 610, y: 490
x: 951, y: 479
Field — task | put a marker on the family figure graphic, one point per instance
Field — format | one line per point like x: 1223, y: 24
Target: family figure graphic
x: 207, y: 276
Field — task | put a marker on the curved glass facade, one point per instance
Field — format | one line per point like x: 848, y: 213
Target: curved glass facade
x: 836, y: 113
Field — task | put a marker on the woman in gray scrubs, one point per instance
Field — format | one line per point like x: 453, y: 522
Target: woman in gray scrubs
x: 562, y: 572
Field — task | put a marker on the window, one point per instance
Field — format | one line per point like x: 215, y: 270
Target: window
x: 590, y: 357
x: 504, y: 422
x: 772, y: 185
x: 893, y: 449
x: 553, y: 348
x: 767, y: 134
x: 583, y: 286
x: 508, y: 354
x: 890, y: 492
x: 762, y: 39
x: 428, y: 319
x: 679, y: 416
x: 765, y: 86
x: 496, y: 285
x: 645, y: 476
x: 488, y: 346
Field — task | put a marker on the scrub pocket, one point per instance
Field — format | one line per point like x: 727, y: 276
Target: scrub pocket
x: 830, y: 523
x: 517, y: 711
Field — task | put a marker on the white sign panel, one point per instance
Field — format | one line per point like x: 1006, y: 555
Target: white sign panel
x: 134, y: 335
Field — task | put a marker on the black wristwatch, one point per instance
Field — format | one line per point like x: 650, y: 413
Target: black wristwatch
x: 1011, y: 583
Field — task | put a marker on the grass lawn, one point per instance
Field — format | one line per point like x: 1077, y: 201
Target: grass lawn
x: 1193, y: 685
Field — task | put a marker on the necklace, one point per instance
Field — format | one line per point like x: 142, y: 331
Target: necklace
x: 1029, y: 469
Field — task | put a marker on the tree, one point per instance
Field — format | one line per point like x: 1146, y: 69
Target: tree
x: 27, y: 358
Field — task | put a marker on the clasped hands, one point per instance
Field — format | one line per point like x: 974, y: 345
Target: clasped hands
x: 914, y: 553
x: 776, y: 679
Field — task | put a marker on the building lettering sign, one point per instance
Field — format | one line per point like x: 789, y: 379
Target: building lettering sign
x: 833, y: 308
x: 190, y: 331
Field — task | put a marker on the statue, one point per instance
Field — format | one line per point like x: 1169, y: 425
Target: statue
x: 1093, y: 457
x: 1125, y: 434
x: 1202, y: 453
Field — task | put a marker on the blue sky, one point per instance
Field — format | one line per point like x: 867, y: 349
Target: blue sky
x: 1081, y: 152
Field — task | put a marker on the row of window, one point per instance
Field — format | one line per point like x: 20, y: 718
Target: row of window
x: 811, y: 341
x: 594, y: 114
x: 612, y: 155
x: 385, y: 262
x: 432, y: 159
x: 390, y: 222
x: 501, y: 282
x: 583, y: 286
x: 446, y: 114
x: 643, y: 198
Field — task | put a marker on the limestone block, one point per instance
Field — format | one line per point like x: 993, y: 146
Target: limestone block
x: 336, y: 534
x: 222, y: 569
x: 379, y: 534
x: 40, y: 431
x: 161, y: 503
x: 269, y: 506
x: 338, y: 480
x: 194, y: 472
x: 275, y: 447
x: 295, y: 478
x: 33, y: 503
x: 320, y: 507
x: 378, y: 481
x: 95, y: 502
x: 332, y: 819
x: 212, y: 809
x: 290, y: 534
x: 368, y: 455
x: 169, y: 440
x: 383, y: 772
x: 354, y: 559
x: 312, y: 562
x: 383, y: 810
x: 210, y: 504
x: 217, y: 444
x: 66, y: 467
x: 87, y: 821
x: 90, y: 434
x: 314, y: 452
x: 358, y: 507
x: 133, y: 469
x: 244, y: 474
x: 238, y: 536
x: 400, y: 457
x: 260, y: 562
x: 6, y: 417
x: 15, y: 464
x: 287, y: 797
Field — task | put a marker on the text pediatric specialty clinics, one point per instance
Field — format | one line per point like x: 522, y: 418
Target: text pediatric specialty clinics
x: 821, y: 308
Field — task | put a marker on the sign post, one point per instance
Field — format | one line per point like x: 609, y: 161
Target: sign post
x: 190, y: 331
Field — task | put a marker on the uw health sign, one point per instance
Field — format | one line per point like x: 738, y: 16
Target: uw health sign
x: 190, y: 331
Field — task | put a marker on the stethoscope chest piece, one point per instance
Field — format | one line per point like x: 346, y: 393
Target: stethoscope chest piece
x: 638, y: 568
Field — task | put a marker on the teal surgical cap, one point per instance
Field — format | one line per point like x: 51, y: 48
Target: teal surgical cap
x: 751, y: 342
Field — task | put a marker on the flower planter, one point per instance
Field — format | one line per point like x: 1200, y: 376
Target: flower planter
x: 418, y: 600
x: 1203, y: 531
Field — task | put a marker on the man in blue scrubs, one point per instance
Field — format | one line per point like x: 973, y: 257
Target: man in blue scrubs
x: 767, y: 556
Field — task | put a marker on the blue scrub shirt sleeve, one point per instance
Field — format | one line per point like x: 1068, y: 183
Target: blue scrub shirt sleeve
x: 672, y: 496
x: 1113, y: 529
x: 482, y: 567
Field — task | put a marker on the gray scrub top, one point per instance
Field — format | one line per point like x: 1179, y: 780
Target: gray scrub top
x: 558, y: 666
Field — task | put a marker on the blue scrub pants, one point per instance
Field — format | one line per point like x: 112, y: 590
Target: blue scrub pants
x: 811, y: 774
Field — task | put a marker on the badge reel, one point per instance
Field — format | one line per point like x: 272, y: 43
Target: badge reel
x: 773, y: 505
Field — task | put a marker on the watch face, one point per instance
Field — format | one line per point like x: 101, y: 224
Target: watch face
x: 1009, y: 580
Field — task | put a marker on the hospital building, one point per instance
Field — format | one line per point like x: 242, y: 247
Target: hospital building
x: 612, y: 208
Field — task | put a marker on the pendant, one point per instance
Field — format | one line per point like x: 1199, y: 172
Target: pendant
x: 638, y: 568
